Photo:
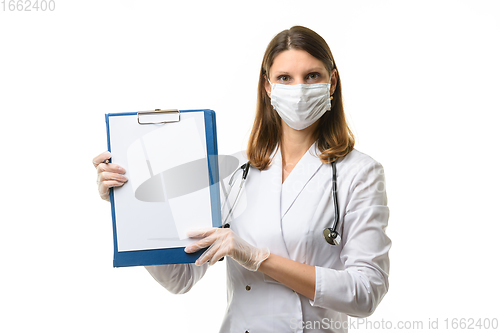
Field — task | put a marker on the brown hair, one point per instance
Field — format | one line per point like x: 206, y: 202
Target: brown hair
x: 333, y: 135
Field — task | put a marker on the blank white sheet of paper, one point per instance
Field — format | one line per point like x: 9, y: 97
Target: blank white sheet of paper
x: 151, y: 209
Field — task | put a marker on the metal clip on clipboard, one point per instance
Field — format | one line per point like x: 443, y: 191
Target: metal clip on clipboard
x: 158, y: 116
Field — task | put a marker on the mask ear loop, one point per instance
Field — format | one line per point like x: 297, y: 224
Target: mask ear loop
x: 270, y: 84
x: 271, y: 88
x: 333, y: 93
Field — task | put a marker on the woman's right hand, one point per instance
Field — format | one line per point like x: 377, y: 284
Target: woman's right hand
x: 108, y: 174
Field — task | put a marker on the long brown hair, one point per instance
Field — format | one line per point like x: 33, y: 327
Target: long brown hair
x: 333, y: 135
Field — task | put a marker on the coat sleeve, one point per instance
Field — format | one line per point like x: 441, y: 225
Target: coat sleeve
x: 359, y: 288
x: 177, y: 278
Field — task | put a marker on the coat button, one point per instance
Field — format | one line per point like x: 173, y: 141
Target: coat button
x: 248, y: 288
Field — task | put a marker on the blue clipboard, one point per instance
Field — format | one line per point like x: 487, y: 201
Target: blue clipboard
x: 173, y: 255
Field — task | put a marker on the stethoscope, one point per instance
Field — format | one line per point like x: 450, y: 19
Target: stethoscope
x: 331, y: 235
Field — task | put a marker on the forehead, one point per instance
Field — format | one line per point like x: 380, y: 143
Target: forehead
x: 296, y: 61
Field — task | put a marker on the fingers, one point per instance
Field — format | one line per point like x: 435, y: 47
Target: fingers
x: 110, y: 167
x: 112, y: 175
x: 109, y: 171
x: 111, y: 179
x: 209, y: 236
x: 201, y: 244
x: 216, y: 251
x: 107, y: 184
x: 219, y: 242
x: 208, y: 255
x: 222, y: 251
x: 101, y: 158
x: 108, y: 174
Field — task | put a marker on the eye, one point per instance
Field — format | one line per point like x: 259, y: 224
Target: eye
x: 313, y: 76
x: 284, y: 78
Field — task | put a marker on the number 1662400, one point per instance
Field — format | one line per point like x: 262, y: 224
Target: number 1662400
x: 27, y: 5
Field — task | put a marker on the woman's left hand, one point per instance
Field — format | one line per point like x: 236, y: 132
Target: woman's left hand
x: 224, y: 242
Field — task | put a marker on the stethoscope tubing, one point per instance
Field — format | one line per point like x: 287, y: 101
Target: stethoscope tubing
x: 334, y: 193
x: 245, y: 167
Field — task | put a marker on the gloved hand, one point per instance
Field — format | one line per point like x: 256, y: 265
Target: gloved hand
x: 224, y: 242
x: 108, y: 174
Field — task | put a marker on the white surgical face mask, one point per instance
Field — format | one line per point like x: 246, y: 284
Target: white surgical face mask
x: 300, y: 105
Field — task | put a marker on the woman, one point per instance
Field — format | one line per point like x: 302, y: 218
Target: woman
x: 282, y: 275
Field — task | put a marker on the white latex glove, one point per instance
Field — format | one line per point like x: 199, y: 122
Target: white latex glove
x: 108, y: 174
x: 224, y: 242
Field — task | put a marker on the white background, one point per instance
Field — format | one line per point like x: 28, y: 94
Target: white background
x: 421, y: 85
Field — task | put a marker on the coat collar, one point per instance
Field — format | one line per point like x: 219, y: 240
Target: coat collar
x: 301, y: 174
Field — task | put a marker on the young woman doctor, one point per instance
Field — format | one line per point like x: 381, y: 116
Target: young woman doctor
x: 282, y: 276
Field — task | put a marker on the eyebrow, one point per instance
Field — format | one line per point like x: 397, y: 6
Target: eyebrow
x: 314, y: 69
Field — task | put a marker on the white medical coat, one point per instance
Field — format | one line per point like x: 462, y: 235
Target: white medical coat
x: 289, y: 218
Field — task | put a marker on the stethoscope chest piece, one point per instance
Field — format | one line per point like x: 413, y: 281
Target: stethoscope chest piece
x: 331, y: 236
